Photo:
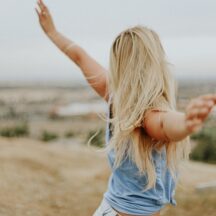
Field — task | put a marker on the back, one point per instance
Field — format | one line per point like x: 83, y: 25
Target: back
x: 125, y: 187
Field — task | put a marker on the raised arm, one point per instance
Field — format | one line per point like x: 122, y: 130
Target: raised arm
x: 95, y: 74
x: 175, y: 126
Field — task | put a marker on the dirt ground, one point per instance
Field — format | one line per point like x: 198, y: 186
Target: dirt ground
x: 38, y: 179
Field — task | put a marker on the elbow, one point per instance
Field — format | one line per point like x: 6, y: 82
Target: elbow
x: 164, y: 126
x: 176, y: 130
x: 75, y: 56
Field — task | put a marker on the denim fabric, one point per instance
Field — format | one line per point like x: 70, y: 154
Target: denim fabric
x: 125, y: 187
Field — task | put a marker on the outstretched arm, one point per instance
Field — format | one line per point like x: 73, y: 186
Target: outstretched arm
x: 175, y: 126
x: 95, y: 74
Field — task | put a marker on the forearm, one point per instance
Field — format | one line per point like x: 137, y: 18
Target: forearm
x: 95, y: 74
x: 64, y: 43
x: 174, y: 126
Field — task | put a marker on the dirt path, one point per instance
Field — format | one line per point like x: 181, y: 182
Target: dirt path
x: 38, y: 179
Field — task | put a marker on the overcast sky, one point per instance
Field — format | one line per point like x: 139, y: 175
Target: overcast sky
x: 187, y: 29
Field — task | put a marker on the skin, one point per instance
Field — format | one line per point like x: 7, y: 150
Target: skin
x: 160, y: 125
x: 88, y: 65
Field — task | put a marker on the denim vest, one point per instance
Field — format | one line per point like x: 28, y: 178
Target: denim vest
x: 125, y: 186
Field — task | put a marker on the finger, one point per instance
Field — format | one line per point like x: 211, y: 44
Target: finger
x: 209, y: 97
x: 197, y: 113
x: 39, y: 6
x: 37, y: 11
x: 196, y: 105
x: 190, y: 126
x: 199, y: 102
x: 44, y: 7
x: 197, y: 128
x: 208, y: 102
x: 197, y: 124
x: 194, y: 125
x: 203, y: 113
x: 42, y: 3
x: 193, y: 113
x: 44, y: 14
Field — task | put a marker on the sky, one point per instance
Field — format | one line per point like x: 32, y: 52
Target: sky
x: 187, y: 30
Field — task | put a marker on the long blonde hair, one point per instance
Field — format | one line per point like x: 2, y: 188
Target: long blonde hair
x: 139, y: 79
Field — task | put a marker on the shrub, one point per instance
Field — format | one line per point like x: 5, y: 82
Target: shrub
x: 48, y: 136
x: 97, y: 140
x: 15, y: 131
x: 69, y: 134
x: 205, y: 150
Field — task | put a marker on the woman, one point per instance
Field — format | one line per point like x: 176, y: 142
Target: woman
x: 147, y: 137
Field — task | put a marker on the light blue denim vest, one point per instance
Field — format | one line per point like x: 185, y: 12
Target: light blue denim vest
x: 125, y: 186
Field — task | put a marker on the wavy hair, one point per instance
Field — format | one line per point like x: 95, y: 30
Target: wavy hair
x: 139, y: 80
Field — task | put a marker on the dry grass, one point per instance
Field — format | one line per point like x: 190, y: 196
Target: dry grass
x: 49, y: 180
x: 193, y: 204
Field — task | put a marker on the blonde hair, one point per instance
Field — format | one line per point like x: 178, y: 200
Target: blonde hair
x: 139, y: 79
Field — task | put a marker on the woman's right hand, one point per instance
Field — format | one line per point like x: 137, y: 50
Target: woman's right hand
x: 198, y: 110
x: 45, y: 18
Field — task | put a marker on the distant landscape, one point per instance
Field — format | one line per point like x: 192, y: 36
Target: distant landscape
x: 46, y: 167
